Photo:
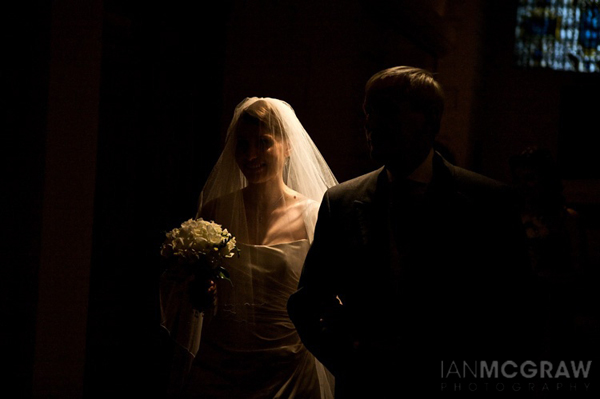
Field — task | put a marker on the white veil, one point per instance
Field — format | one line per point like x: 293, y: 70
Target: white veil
x: 305, y: 172
x: 256, y: 303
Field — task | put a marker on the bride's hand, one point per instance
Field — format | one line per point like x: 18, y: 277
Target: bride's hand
x: 203, y: 293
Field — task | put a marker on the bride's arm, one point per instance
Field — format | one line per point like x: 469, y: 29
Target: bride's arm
x: 315, y: 308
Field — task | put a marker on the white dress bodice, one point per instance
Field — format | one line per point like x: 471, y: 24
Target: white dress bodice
x: 250, y: 348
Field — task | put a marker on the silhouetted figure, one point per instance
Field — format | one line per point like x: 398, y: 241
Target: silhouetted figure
x: 557, y: 248
x: 555, y: 237
x: 415, y: 263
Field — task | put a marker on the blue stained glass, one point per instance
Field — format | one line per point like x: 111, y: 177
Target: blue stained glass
x: 558, y: 34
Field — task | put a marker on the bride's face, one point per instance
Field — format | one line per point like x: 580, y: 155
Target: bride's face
x: 260, y: 154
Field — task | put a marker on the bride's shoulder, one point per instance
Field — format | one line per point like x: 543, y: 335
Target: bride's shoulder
x: 312, y: 204
x: 209, y: 209
x: 300, y: 200
x: 309, y: 206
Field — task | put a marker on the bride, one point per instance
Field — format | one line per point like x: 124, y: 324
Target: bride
x: 265, y: 189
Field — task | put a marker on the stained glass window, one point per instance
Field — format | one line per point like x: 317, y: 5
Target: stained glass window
x: 558, y: 34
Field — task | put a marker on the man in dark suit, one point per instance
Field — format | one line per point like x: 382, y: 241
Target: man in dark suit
x: 415, y: 264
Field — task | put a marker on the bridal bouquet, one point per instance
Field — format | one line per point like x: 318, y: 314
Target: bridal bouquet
x: 203, y: 245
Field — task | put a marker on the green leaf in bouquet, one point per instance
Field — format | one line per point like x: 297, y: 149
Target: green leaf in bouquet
x: 223, y: 274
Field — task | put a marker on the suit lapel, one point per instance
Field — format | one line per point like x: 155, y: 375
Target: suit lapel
x: 371, y: 212
x: 363, y: 211
x: 368, y: 206
x: 372, y: 215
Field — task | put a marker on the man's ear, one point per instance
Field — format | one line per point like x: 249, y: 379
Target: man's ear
x: 432, y: 129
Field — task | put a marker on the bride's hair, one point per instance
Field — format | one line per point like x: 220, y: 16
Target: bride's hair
x: 258, y: 113
x: 306, y: 171
x: 263, y: 115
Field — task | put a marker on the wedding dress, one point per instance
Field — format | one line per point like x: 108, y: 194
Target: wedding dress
x: 252, y: 350
x: 247, y: 347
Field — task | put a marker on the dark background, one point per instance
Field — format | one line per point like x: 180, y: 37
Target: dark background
x: 115, y: 111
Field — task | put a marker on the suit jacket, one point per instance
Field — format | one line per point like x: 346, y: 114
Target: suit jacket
x: 396, y: 282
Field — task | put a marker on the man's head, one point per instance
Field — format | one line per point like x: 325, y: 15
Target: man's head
x: 403, y: 108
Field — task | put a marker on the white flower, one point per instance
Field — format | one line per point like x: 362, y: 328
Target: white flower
x: 197, y: 237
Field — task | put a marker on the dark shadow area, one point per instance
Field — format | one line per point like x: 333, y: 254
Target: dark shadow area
x: 24, y: 73
x: 159, y: 134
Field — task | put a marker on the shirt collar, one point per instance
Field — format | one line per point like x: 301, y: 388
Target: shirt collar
x: 422, y: 175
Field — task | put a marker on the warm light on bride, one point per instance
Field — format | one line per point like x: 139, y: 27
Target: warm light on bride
x: 266, y: 187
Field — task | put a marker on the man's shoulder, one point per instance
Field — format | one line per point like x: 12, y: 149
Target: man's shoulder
x: 356, y: 187
x: 478, y: 186
x: 465, y: 178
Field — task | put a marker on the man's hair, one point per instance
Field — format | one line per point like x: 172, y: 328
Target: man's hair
x: 541, y: 161
x: 407, y: 84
